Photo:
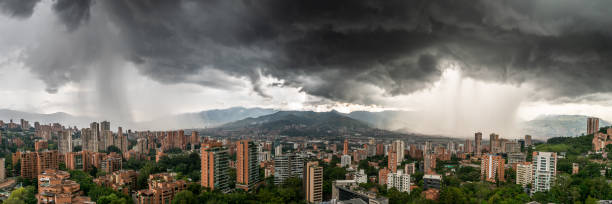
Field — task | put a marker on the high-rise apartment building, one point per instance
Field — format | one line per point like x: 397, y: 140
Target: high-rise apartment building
x: 398, y: 146
x: 346, y: 146
x: 380, y: 149
x: 492, y: 168
x: 415, y: 152
x: 477, y: 143
x: 528, y: 141
x: 592, y: 125
x: 399, y: 181
x: 108, y: 139
x: 247, y: 169
x: 313, y: 182
x: 468, y: 146
x: 182, y: 140
x: 105, y: 125
x: 427, y: 148
x: 544, y: 170
x: 47, y: 160
x: 28, y: 161
x: 511, y: 147
x: 524, y: 173
x: 86, y: 139
x: 95, y: 137
x: 25, y: 125
x: 286, y: 166
x: 65, y: 141
x: 195, y: 139
x: 122, y: 140
x: 215, y: 166
x: 429, y: 163
x: 494, y: 143
x: 33, y: 163
x: 392, y: 161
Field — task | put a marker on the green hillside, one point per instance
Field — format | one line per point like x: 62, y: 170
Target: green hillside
x: 299, y: 123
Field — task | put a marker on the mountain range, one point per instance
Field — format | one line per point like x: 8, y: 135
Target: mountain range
x: 239, y: 117
x: 321, y: 120
x: 64, y: 118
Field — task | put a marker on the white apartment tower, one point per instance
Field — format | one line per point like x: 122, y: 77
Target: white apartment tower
x: 399, y: 180
x: 544, y: 170
x: 524, y: 173
x: 345, y: 160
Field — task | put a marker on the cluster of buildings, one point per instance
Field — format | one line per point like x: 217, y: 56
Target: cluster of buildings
x: 23, y: 124
x: 600, y: 139
x: 55, y: 187
x: 122, y: 181
x: 282, y: 159
x: 540, y: 173
x: 161, y: 189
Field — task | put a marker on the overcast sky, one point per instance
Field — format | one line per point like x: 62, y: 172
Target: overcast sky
x: 482, y: 66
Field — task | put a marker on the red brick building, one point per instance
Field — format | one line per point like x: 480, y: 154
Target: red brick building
x: 162, y: 188
x: 54, y: 187
x: 111, y: 163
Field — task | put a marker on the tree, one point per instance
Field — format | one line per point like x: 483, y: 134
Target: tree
x: 112, y: 199
x: 609, y: 148
x: 590, y: 200
x: 184, y: 197
x: 510, y: 175
x: 148, y: 169
x: 452, y: 195
x: 195, y: 188
x: 113, y: 148
x: 174, y: 150
x: 397, y: 197
x: 22, y: 195
x: 62, y: 167
x: 562, y: 192
x: 468, y: 173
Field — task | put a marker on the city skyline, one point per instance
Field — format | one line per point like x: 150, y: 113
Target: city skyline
x: 462, y: 69
x: 151, y: 166
x: 305, y: 101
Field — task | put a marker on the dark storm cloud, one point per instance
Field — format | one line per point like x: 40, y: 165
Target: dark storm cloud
x: 18, y: 8
x: 336, y: 49
x: 72, y: 12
